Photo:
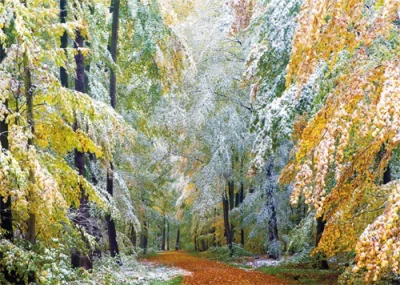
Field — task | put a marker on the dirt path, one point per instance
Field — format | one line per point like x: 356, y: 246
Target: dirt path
x: 206, y: 271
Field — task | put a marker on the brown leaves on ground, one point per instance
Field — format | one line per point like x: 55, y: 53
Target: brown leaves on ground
x: 206, y: 271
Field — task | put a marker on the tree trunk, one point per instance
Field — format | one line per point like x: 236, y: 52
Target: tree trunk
x: 144, y: 237
x: 228, y: 232
x: 163, y: 236
x: 64, y: 42
x: 387, y: 176
x: 31, y: 231
x: 320, y: 230
x: 5, y: 206
x: 133, y: 236
x: 215, y: 228
x: 112, y: 234
x: 177, y: 245
x: 273, y: 239
x: 82, y: 217
x: 167, y: 235
x: 241, y: 201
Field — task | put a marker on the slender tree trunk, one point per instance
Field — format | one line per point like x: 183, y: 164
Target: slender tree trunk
x: 241, y: 201
x: 387, y: 176
x: 64, y: 42
x: 320, y: 230
x: 133, y: 236
x: 215, y: 228
x: 31, y: 231
x: 167, y: 235
x: 5, y: 204
x: 228, y: 232
x: 273, y: 239
x: 112, y: 233
x: 82, y: 218
x: 163, y: 235
x: 144, y: 237
x: 177, y: 245
x: 195, y: 242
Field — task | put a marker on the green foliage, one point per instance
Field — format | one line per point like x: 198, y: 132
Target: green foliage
x: 175, y: 281
x: 47, y: 265
x: 298, y: 275
x: 224, y: 254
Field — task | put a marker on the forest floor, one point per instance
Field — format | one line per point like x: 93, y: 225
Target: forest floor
x: 204, y: 271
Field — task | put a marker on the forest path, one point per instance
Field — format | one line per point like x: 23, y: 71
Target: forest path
x: 206, y: 271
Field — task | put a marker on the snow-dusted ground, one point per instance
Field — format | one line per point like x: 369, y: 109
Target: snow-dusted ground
x: 263, y: 262
x: 260, y: 262
x: 132, y: 271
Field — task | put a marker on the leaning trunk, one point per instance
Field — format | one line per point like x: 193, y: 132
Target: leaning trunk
x: 31, y: 231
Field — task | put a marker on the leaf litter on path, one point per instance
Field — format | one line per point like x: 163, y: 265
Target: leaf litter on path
x: 210, y: 272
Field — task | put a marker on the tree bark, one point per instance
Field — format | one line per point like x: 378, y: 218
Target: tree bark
x: 320, y: 230
x: 241, y: 201
x: 144, y: 237
x: 228, y: 232
x: 163, y: 235
x: 64, y: 42
x: 31, y: 231
x: 167, y: 234
x: 177, y: 245
x: 82, y: 218
x: 112, y: 233
x: 387, y: 176
x: 5, y: 203
x: 133, y: 236
x: 273, y: 238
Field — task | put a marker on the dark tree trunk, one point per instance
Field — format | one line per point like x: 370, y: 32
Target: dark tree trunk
x: 144, y: 237
x: 112, y: 234
x: 387, y: 176
x: 195, y: 242
x: 31, y: 231
x: 167, y: 235
x: 231, y: 194
x: 5, y: 206
x: 228, y: 232
x: 64, y: 42
x: 231, y: 198
x: 163, y: 235
x: 113, y: 50
x: 133, y: 236
x: 320, y: 230
x: 82, y: 216
x: 177, y: 245
x: 273, y: 239
x: 215, y: 228
x: 241, y: 201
